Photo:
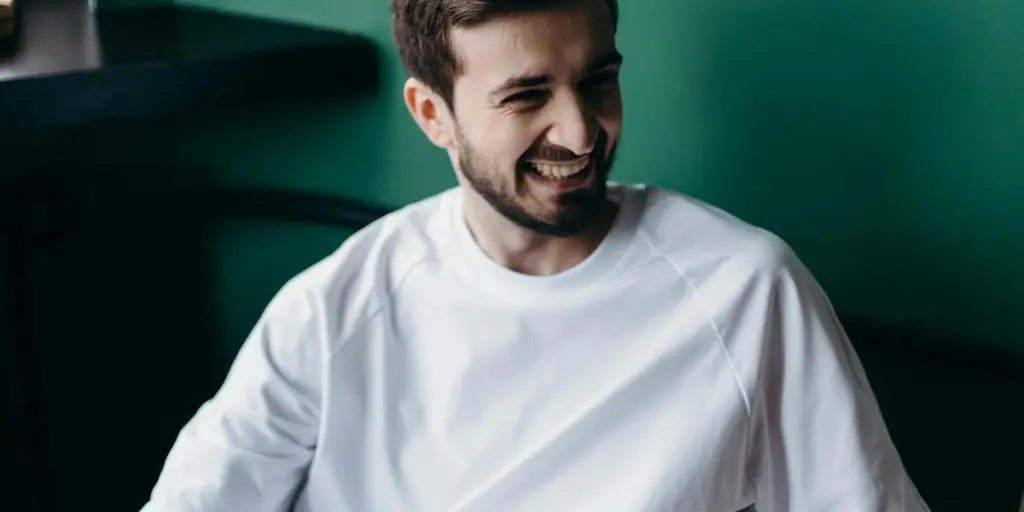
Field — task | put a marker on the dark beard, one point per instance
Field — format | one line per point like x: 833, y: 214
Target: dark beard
x: 578, y: 210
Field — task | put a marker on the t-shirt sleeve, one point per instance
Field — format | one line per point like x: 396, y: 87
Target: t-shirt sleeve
x: 248, y: 448
x: 819, y: 441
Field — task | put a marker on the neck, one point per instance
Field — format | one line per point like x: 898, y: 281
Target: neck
x: 525, y: 251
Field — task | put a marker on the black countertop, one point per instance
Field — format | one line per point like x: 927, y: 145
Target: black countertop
x: 69, y: 65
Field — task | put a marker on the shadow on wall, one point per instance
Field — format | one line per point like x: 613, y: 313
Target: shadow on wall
x: 882, y: 141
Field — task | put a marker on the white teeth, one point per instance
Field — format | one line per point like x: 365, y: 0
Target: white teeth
x: 560, y: 171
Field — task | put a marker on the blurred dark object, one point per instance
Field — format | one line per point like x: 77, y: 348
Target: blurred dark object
x: 9, y: 14
x: 72, y: 65
x: 42, y: 217
x: 6, y: 18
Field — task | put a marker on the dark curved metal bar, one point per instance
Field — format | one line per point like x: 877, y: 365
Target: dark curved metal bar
x: 918, y: 343
x: 285, y: 205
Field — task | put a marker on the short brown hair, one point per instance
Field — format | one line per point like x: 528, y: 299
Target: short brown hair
x: 422, y: 30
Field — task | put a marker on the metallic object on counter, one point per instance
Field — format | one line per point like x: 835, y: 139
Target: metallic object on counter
x: 6, y: 18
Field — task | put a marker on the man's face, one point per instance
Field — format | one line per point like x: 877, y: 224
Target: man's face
x: 537, y: 114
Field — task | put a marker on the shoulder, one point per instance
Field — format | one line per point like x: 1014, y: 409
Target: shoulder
x: 703, y: 240
x: 766, y: 304
x: 342, y: 290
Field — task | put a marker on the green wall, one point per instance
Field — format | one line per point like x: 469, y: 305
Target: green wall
x: 883, y: 139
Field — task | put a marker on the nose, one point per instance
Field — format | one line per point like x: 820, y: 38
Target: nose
x: 573, y: 126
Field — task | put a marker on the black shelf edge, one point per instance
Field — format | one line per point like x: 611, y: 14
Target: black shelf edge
x: 70, y: 66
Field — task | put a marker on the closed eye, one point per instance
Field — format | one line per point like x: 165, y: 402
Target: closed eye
x: 526, y: 97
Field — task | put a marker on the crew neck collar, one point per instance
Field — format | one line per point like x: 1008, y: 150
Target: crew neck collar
x: 476, y: 266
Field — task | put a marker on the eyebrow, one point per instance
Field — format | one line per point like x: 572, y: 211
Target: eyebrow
x: 612, y: 58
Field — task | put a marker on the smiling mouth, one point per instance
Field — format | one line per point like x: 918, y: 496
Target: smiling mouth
x: 558, y: 171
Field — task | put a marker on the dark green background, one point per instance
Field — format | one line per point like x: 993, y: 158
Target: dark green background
x: 883, y: 140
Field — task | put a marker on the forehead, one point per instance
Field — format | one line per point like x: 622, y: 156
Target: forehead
x: 555, y: 42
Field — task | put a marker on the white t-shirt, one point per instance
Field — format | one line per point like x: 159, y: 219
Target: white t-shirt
x: 691, y: 364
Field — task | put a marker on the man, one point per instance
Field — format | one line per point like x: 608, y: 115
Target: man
x: 538, y: 339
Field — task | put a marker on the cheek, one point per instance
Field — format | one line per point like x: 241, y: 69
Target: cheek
x: 609, y: 117
x: 504, y: 144
x: 612, y: 127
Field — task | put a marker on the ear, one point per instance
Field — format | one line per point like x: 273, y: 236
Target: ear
x: 430, y: 113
